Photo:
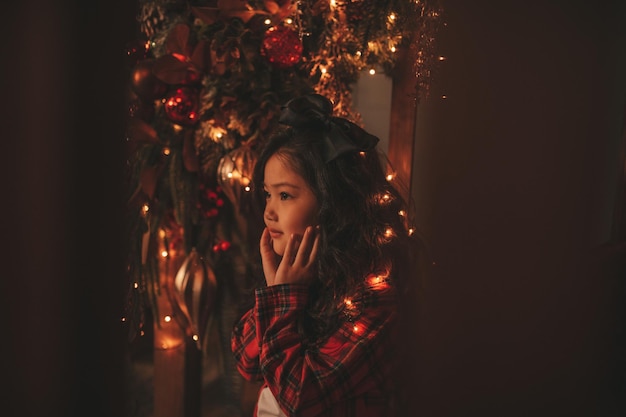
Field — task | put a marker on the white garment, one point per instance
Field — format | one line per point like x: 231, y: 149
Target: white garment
x: 267, y: 406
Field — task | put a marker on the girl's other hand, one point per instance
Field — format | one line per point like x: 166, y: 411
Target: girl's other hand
x: 268, y: 257
x: 298, y: 263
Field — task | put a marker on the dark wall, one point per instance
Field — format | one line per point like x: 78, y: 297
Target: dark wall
x: 63, y: 83
x: 515, y: 177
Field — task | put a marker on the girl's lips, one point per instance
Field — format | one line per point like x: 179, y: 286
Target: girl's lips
x: 274, y: 234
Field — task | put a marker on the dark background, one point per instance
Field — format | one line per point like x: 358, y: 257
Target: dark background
x: 515, y: 180
x: 515, y: 183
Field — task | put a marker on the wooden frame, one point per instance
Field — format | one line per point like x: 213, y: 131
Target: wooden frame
x: 402, y: 124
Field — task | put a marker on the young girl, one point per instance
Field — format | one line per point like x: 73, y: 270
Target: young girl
x: 339, y: 261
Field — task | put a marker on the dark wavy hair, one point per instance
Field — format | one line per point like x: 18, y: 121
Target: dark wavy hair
x: 363, y: 221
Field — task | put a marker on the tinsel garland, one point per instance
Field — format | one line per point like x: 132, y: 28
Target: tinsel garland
x: 211, y: 51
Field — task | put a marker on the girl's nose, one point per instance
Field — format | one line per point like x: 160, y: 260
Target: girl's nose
x: 269, y: 213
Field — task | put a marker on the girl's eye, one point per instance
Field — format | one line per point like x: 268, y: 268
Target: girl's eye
x: 266, y: 194
x: 284, y: 196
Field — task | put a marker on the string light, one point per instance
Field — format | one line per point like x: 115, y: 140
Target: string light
x: 167, y: 318
x: 164, y: 254
x: 145, y: 209
x: 390, y: 177
x: 372, y: 71
x: 378, y: 281
x: 166, y: 150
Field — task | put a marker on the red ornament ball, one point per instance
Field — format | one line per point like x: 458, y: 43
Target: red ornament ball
x: 181, y: 106
x: 281, y: 47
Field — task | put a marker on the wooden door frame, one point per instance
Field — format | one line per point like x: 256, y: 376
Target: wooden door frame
x: 402, y: 121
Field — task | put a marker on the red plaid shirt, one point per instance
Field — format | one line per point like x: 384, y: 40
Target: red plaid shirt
x: 345, y: 377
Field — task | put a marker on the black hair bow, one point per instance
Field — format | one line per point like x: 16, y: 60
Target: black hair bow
x: 340, y: 135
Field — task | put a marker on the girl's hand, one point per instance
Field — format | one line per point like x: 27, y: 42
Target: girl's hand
x: 298, y: 263
x: 268, y: 257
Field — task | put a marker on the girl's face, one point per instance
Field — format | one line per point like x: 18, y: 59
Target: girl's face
x: 290, y: 205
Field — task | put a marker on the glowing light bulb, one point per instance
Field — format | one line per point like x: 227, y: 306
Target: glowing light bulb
x: 145, y: 209
x: 164, y: 254
x: 267, y: 21
x: 442, y: 58
x: 393, y: 49
x: 136, y: 285
x: 246, y: 188
x: 390, y: 177
x: 411, y: 231
x: 402, y: 213
x: 166, y: 150
x: 167, y: 319
x: 348, y: 302
x: 288, y: 21
x: 195, y: 337
x: 372, y: 71
x: 229, y: 175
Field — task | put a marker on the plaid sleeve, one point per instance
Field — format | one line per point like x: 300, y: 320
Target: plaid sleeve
x: 245, y: 346
x: 307, y: 381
